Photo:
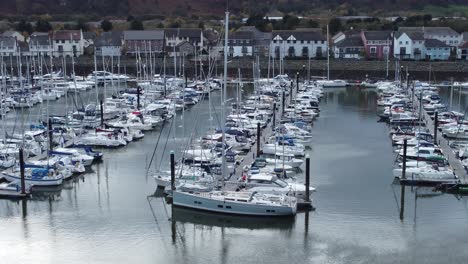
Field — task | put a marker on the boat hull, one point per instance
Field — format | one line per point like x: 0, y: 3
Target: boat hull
x: 226, y: 207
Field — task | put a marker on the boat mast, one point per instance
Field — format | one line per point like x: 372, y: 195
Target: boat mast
x: 223, y: 94
x: 328, y: 58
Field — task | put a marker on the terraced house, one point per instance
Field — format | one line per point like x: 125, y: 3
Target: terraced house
x: 304, y: 42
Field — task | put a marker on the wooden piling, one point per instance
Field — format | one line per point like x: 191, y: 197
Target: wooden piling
x: 258, y: 139
x: 102, y: 114
x: 405, y: 146
x: 50, y: 134
x: 21, y: 160
x: 307, y: 180
x: 138, y: 97
x: 274, y: 117
x: 436, y: 124
x: 172, y: 171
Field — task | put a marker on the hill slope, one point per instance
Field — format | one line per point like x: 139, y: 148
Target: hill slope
x: 214, y: 7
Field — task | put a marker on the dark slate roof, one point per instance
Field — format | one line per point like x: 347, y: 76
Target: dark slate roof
x: 66, y: 35
x: 193, y: 33
x: 435, y: 43
x: 241, y: 35
x: 299, y: 34
x: 377, y: 35
x: 414, y: 35
x: 144, y: 35
x: 7, y: 42
x: 111, y: 38
x: 353, y: 41
x: 39, y: 39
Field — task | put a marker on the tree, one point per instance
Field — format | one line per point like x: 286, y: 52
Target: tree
x: 136, y: 25
x: 81, y: 25
x: 43, y: 25
x: 334, y: 26
x: 24, y: 26
x: 290, y: 22
x: 106, y: 25
x: 201, y: 25
x: 312, y: 23
x: 130, y: 18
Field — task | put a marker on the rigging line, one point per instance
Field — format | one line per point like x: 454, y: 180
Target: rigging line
x: 155, y: 148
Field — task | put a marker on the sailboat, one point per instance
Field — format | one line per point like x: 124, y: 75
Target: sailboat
x: 230, y: 202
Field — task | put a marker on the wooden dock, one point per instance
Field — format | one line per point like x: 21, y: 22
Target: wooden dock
x: 443, y: 143
x: 249, y: 158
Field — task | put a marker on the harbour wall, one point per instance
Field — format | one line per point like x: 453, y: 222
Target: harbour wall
x: 339, y: 69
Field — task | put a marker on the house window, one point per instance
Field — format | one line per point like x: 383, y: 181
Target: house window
x: 244, y: 51
x: 305, y: 52
x: 401, y: 42
x: 373, y: 51
x: 318, y: 52
x: 231, y: 51
x: 406, y: 42
x: 277, y: 52
x: 291, y: 52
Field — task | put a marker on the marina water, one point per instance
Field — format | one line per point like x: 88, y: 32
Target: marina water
x: 108, y: 215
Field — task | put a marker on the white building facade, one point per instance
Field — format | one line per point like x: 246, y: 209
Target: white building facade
x: 304, y: 43
x: 68, y: 43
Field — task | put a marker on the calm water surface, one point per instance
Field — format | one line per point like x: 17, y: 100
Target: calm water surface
x: 106, y: 216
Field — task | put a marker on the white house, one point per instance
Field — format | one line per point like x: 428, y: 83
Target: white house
x: 14, y: 34
x: 40, y: 44
x: 68, y: 43
x: 409, y: 45
x: 436, y: 50
x: 241, y: 43
x: 444, y: 34
x: 308, y: 43
x: 109, y: 44
x: 175, y: 36
x: 8, y: 46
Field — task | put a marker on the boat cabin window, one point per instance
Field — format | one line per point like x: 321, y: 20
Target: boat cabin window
x: 423, y: 151
x: 281, y: 183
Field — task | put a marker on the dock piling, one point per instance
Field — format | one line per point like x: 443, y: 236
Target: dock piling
x: 274, y: 117
x: 172, y: 171
x: 405, y: 146
x: 50, y: 134
x: 436, y: 123
x: 258, y: 139
x: 307, y: 180
x: 102, y: 114
x: 138, y: 97
x: 21, y: 160
x: 282, y: 103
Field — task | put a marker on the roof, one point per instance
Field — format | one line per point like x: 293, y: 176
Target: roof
x: 40, y: 39
x: 414, y: 35
x: 300, y: 34
x: 435, y: 43
x: 10, y: 33
x: 66, y: 35
x: 111, y: 38
x: 7, y: 41
x: 183, y: 32
x: 377, y: 35
x: 353, y: 41
x: 144, y: 35
x: 430, y: 30
x: 241, y: 35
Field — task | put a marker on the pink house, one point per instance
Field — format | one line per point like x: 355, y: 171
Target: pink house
x: 377, y: 44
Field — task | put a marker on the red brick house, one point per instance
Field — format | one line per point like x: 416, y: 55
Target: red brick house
x: 377, y: 44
